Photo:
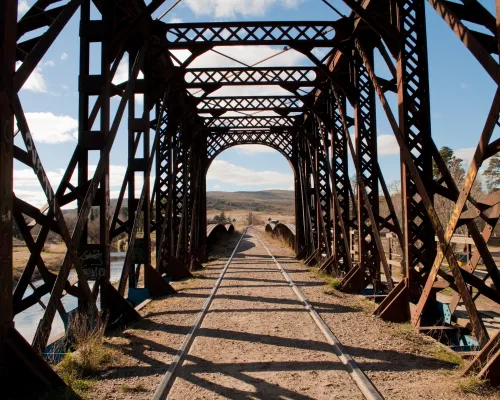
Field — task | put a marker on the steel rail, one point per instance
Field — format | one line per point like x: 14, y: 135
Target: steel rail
x: 169, y: 378
x: 362, y: 381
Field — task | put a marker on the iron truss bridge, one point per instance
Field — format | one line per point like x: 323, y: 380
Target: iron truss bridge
x: 184, y: 122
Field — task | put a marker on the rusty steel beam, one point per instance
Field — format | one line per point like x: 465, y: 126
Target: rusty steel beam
x: 32, y: 50
x: 365, y: 124
x: 481, y: 45
x: 248, y: 122
x: 279, y: 104
x: 197, y: 36
x: 280, y: 141
x: 407, y: 157
x: 8, y: 13
x: 210, y: 79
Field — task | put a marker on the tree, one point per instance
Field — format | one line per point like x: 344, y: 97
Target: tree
x: 454, y: 164
x: 492, y: 174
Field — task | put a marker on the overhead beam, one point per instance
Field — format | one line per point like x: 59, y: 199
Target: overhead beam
x: 248, y: 122
x: 251, y: 103
x: 216, y: 77
x: 196, y: 36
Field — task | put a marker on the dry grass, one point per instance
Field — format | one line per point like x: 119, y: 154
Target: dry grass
x: 91, y: 355
x: 133, y: 388
x: 330, y: 281
x: 444, y: 354
x: 475, y: 386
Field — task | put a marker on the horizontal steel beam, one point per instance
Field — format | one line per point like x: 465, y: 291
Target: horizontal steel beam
x: 248, y: 122
x: 216, y: 77
x: 201, y: 35
x: 250, y: 103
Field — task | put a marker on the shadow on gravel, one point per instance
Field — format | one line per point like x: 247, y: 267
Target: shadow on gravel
x: 320, y: 307
x: 139, y: 347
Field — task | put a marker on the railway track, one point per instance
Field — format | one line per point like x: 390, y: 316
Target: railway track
x: 365, y: 386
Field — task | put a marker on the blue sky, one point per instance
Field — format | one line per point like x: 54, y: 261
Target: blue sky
x: 461, y: 94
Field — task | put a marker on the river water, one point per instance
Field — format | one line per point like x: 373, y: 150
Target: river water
x: 27, y: 321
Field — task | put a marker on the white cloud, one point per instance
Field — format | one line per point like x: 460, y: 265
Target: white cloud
x: 49, y: 128
x: 230, y: 8
x: 121, y: 74
x: 22, y: 7
x: 64, y: 56
x: 254, y: 149
x: 49, y: 63
x: 35, y: 82
x: 229, y: 173
x: 175, y: 20
x: 387, y: 145
x: 216, y: 187
x: 64, y: 87
x: 249, y: 55
x: 27, y: 186
x: 466, y: 154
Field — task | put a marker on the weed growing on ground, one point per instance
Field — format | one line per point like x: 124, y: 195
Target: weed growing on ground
x: 407, y: 331
x: 335, y: 283
x: 90, y: 357
x: 363, y: 303
x: 329, y: 280
x: 474, y: 385
x: 449, y: 356
x: 133, y: 388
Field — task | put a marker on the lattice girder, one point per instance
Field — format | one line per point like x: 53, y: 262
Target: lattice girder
x: 248, y: 122
x: 281, y: 141
x: 251, y: 103
x: 210, y: 77
x: 201, y: 35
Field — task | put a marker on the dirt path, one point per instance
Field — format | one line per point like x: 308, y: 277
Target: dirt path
x: 257, y: 341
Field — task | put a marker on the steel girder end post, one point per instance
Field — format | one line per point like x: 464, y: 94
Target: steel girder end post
x: 118, y: 310
x: 197, y: 256
x: 491, y: 371
x: 396, y: 306
x: 312, y: 259
x: 329, y: 265
x: 154, y: 282
x: 487, y: 363
x: 196, y: 265
x: 19, y: 359
x: 176, y: 270
x: 353, y: 282
x: 301, y: 255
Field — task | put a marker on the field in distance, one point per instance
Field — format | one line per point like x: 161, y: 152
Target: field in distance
x: 275, y: 204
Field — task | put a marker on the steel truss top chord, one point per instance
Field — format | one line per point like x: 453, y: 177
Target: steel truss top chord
x: 201, y: 35
x: 209, y: 77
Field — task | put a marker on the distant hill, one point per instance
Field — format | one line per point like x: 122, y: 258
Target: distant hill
x: 269, y: 201
x: 277, y: 201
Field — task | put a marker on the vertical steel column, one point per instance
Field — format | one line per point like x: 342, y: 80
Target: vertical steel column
x: 300, y: 237
x: 312, y: 201
x: 164, y: 192
x: 341, y: 182
x: 198, y: 207
x: 324, y: 192
x: 415, y: 124
x: 366, y: 151
x: 180, y: 192
x: 139, y: 129
x: 8, y: 16
x: 93, y: 138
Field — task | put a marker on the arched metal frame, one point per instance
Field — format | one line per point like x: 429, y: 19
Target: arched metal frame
x: 174, y: 142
